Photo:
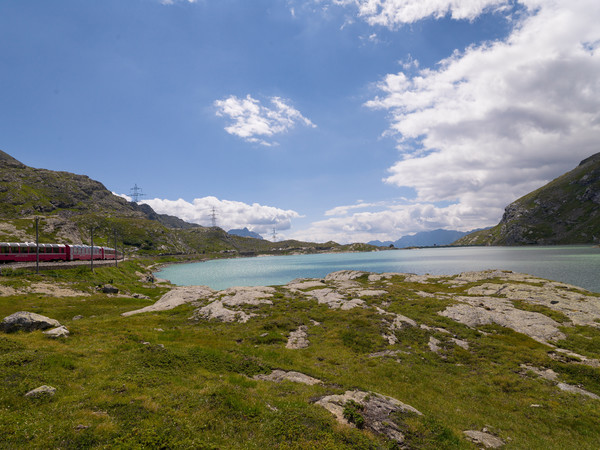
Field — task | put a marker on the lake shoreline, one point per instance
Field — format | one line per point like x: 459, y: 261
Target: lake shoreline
x: 577, y: 265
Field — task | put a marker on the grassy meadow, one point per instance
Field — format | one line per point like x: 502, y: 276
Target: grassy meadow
x: 161, y: 380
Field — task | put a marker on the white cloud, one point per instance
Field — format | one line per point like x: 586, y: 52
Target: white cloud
x: 254, y: 122
x: 125, y: 196
x: 229, y: 214
x: 392, y: 13
x: 343, y: 210
x: 496, y: 121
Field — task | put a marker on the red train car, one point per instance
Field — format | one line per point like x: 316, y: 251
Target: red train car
x: 26, y: 252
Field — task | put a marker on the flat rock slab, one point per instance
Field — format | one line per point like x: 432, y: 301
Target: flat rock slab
x: 334, y: 299
x: 577, y: 390
x: 27, y: 321
x: 174, y: 298
x: 376, y: 411
x: 216, y: 311
x: 580, y: 308
x: 278, y: 376
x: 486, y: 439
x: 476, y: 311
x: 251, y: 295
x: 304, y: 284
x: 344, y: 275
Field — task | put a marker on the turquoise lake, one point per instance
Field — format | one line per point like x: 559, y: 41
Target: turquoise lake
x: 578, y: 265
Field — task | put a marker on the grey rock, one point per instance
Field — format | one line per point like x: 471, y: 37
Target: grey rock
x: 577, y: 390
x: 27, y: 321
x: 344, y: 275
x: 377, y: 411
x: 580, y: 308
x: 58, y: 332
x: 216, y: 311
x: 281, y: 375
x: 42, y: 391
x: 77, y: 317
x: 298, y: 338
x: 476, y: 311
x: 434, y: 344
x: 174, y: 298
x: 486, y: 439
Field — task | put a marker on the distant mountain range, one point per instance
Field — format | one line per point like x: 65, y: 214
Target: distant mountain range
x: 564, y: 211
x: 425, y: 239
x: 245, y: 232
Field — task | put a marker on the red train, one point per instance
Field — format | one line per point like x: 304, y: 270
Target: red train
x: 26, y: 251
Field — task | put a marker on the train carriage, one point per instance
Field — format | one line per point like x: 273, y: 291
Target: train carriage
x: 26, y: 251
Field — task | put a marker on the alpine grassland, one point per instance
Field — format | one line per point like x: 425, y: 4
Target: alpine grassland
x: 162, y: 380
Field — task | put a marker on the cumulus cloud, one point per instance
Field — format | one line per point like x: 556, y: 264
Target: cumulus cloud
x: 392, y: 13
x: 229, y: 214
x: 496, y: 121
x: 486, y: 125
x: 254, y: 122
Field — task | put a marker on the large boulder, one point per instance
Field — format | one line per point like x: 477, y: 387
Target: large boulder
x: 27, y: 321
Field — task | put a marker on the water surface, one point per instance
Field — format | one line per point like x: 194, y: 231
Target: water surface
x: 578, y: 265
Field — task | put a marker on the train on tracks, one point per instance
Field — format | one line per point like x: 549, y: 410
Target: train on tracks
x: 26, y: 252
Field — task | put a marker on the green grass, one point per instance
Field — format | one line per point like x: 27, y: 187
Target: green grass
x: 124, y: 383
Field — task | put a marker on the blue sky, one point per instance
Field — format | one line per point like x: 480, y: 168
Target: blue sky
x: 345, y: 120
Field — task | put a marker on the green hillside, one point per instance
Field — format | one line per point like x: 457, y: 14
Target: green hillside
x: 70, y: 205
x: 565, y: 211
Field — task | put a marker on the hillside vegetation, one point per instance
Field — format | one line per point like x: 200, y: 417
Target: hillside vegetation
x: 565, y: 211
x: 70, y: 205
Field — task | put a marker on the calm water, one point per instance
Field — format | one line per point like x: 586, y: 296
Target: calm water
x: 578, y: 265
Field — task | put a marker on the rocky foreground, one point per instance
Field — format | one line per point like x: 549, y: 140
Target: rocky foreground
x: 519, y: 302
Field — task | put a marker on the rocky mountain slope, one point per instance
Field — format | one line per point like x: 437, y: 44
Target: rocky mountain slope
x: 565, y: 211
x: 70, y: 205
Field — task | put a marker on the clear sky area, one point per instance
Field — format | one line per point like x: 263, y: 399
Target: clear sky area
x: 344, y: 120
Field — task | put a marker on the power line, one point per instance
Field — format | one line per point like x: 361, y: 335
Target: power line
x: 274, y: 234
x: 136, y: 193
x: 213, y: 217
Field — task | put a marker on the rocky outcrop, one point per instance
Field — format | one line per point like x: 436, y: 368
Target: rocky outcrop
x: 27, y: 321
x: 476, y: 311
x: 368, y: 410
